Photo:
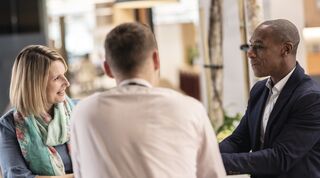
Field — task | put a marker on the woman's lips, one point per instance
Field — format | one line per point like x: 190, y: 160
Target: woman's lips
x: 61, y: 92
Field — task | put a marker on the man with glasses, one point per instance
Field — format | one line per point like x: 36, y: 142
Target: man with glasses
x: 279, y: 135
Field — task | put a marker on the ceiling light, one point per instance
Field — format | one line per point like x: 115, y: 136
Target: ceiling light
x: 137, y: 4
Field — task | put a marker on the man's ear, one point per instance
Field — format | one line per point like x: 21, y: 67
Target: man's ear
x: 287, y: 48
x: 156, y: 60
x: 107, y: 69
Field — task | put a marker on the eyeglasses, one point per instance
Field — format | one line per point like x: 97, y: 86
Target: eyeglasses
x: 255, y: 47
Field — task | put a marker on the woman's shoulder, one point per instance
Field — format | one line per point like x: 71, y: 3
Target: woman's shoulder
x: 75, y: 101
x: 6, y: 120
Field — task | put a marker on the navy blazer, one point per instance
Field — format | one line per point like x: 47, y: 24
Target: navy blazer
x: 292, y: 138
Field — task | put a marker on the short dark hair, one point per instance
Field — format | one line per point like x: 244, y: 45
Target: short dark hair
x: 128, y: 45
x: 284, y: 31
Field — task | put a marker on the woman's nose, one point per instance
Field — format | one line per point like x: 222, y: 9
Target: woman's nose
x: 66, y: 82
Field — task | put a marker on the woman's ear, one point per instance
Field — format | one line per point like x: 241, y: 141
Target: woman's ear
x: 107, y: 69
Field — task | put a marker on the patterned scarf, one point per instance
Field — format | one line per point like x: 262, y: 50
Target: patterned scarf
x: 38, y: 136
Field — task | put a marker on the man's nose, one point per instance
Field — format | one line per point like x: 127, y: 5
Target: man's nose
x: 251, y: 53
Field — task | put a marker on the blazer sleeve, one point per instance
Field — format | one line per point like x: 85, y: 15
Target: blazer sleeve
x: 11, y: 160
x: 239, y: 140
x: 300, y: 134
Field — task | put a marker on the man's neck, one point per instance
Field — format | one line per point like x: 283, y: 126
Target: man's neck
x: 149, y: 79
x: 135, y: 81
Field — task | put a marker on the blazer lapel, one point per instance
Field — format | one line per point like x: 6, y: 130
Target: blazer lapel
x: 283, y: 98
x: 257, y: 115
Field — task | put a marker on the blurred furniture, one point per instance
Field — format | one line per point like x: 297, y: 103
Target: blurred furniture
x: 190, y: 82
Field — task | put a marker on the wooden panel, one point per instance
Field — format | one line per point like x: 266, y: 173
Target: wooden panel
x: 312, y: 13
x: 313, y: 63
x: 188, y: 41
x: 190, y: 83
x: 123, y: 16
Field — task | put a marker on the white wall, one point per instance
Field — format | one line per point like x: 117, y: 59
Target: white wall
x: 171, y: 51
x: 234, y: 89
x: 292, y: 10
x: 235, y: 100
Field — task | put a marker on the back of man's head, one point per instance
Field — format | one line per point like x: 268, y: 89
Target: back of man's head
x: 284, y: 31
x: 127, y: 47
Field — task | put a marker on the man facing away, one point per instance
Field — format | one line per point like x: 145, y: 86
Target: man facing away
x: 136, y: 130
x: 281, y: 126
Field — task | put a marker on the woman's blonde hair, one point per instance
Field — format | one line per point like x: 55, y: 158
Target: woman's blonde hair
x: 29, y: 79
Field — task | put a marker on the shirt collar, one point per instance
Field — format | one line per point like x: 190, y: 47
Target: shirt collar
x: 136, y: 81
x: 278, y: 86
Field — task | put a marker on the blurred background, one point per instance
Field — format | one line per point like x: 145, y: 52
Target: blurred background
x: 199, y: 43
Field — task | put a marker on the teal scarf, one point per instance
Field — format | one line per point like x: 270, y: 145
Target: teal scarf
x: 38, y: 136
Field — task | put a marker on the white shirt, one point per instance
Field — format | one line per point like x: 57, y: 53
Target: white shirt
x: 274, y: 93
x: 136, y: 131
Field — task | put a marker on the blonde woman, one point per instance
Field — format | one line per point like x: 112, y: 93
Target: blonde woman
x: 34, y: 135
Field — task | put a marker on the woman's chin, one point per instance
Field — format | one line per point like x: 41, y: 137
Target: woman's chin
x: 60, y: 98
